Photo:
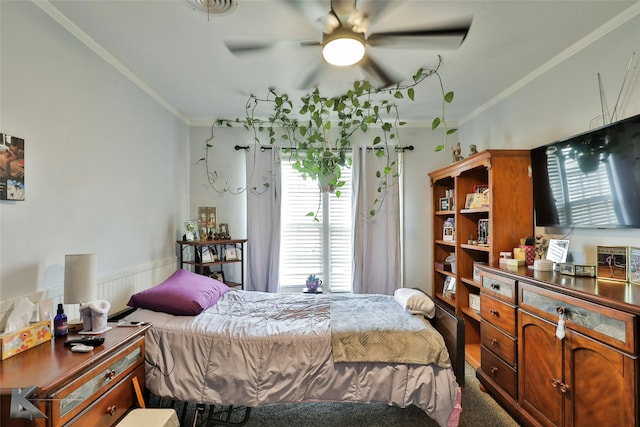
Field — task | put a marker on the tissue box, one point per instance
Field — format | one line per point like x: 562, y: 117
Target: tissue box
x: 24, y: 339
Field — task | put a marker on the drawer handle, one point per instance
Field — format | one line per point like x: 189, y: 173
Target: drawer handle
x: 494, y: 371
x: 495, y: 286
x: 562, y: 311
x: 494, y: 341
x: 111, y: 374
x: 111, y: 410
x: 494, y: 312
x: 564, y: 388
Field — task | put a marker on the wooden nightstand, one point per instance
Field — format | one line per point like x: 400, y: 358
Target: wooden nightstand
x: 93, y: 388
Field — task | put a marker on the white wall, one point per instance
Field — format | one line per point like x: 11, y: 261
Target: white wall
x: 106, y: 166
x: 563, y: 102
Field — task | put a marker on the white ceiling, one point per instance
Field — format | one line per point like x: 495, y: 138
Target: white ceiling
x: 177, y: 53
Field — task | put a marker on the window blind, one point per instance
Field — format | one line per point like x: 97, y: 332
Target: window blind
x: 322, y: 247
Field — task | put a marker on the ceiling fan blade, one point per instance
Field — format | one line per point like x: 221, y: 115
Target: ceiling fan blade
x: 313, y: 11
x: 442, y: 38
x: 375, y: 9
x: 312, y: 78
x: 245, y: 47
x: 373, y: 68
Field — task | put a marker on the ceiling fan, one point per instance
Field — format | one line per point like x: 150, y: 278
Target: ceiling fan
x: 345, y: 30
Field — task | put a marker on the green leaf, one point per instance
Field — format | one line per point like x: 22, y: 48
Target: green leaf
x: 435, y: 123
x: 450, y: 131
x: 448, y: 97
x: 372, y: 212
x: 439, y: 147
x: 410, y: 93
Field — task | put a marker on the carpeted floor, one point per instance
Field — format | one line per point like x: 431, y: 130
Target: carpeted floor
x: 478, y: 409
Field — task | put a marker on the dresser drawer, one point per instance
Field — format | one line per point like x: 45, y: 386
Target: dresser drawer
x: 501, y: 373
x: 498, y: 314
x: 498, y: 287
x: 113, y: 405
x: 86, y: 388
x: 498, y: 342
x: 608, y: 325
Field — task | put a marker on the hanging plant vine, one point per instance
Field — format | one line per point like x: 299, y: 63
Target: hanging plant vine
x: 316, y: 134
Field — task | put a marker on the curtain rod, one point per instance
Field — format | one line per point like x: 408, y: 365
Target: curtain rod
x: 268, y: 147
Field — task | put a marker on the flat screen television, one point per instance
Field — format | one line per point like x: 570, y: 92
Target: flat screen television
x: 591, y: 180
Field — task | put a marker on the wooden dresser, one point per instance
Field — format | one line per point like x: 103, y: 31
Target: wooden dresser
x: 84, y: 389
x: 589, y: 376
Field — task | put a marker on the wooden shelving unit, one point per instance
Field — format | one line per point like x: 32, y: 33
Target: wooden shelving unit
x: 191, y: 254
x: 506, y: 174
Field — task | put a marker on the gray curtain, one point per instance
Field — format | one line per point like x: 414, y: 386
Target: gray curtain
x: 263, y: 219
x: 376, y: 244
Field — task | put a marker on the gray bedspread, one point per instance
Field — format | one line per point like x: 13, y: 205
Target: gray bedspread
x: 255, y: 348
x: 371, y: 328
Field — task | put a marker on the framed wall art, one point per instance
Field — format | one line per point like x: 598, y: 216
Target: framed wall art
x: 11, y: 168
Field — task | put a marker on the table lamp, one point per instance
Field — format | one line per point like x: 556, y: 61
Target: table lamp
x: 80, y: 279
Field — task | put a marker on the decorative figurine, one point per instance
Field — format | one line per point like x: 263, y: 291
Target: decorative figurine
x: 473, y: 149
x: 456, y: 153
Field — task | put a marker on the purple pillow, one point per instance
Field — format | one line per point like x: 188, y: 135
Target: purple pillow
x: 184, y: 294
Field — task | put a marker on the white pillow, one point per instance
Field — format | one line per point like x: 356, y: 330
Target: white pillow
x: 415, y: 302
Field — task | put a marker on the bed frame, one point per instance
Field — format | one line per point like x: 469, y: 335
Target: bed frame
x: 451, y: 327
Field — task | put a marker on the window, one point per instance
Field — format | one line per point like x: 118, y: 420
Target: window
x: 322, y: 247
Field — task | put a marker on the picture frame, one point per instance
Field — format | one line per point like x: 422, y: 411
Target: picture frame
x: 634, y: 265
x: 12, y: 168
x: 483, y: 232
x: 445, y: 204
x: 612, y: 263
x: 209, y: 254
x: 448, y: 234
x: 207, y: 218
x: 557, y: 251
x: 192, y: 233
x: 476, y: 270
x: 479, y: 200
x: 223, y: 232
x: 231, y: 254
x: 449, y: 288
x: 218, y: 275
x: 469, y: 200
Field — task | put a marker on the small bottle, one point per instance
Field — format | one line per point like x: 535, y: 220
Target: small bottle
x: 60, y: 328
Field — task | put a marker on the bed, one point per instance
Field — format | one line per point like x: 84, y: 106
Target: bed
x: 255, y: 348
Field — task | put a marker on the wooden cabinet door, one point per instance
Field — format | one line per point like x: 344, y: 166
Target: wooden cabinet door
x: 540, y: 369
x: 601, y: 384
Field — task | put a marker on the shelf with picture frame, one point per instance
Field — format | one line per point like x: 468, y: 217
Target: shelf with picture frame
x: 492, y: 188
x: 214, y: 258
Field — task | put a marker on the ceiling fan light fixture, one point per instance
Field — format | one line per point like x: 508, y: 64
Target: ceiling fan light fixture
x: 343, y: 47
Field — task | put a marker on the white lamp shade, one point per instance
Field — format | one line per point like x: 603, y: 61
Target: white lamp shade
x: 343, y: 47
x: 80, y: 278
